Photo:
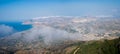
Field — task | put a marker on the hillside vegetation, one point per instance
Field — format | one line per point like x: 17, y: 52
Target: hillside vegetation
x: 99, y: 47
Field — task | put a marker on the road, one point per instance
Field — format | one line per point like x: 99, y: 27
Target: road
x: 76, y: 50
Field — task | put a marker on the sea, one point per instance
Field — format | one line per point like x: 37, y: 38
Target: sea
x: 17, y: 26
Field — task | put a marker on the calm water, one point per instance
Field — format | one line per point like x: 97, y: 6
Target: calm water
x: 17, y: 25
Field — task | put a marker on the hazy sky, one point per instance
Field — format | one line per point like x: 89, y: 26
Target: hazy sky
x: 20, y: 10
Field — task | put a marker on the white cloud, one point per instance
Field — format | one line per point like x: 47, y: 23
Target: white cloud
x: 5, y: 30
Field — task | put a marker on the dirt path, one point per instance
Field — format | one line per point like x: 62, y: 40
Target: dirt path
x: 76, y: 50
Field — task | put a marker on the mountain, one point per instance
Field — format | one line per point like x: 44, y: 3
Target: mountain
x: 52, y: 35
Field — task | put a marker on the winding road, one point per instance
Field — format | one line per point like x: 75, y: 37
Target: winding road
x: 76, y: 50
